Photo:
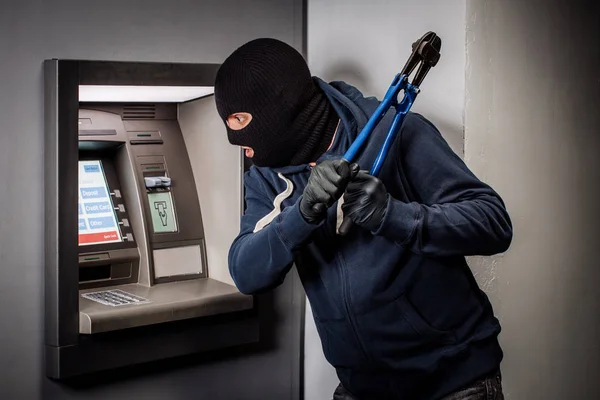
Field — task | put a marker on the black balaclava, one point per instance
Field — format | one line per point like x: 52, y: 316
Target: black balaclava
x: 292, y: 122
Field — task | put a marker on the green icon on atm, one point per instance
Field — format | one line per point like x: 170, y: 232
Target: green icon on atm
x: 163, y: 215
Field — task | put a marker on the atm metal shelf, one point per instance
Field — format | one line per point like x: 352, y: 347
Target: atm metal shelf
x: 166, y: 302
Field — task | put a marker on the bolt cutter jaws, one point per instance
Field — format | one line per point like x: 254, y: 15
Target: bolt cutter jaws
x: 426, y: 54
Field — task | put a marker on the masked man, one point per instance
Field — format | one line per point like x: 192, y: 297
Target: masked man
x: 398, y: 311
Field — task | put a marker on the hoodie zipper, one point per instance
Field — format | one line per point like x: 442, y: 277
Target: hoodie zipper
x: 341, y: 264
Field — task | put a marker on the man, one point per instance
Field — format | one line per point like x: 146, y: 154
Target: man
x: 398, y: 311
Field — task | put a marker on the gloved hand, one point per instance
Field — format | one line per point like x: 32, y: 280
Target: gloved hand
x: 326, y: 184
x: 365, y: 201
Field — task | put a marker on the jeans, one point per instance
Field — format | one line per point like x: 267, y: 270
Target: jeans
x: 489, y: 388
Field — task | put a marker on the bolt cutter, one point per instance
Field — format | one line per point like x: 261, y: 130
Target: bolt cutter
x: 425, y: 54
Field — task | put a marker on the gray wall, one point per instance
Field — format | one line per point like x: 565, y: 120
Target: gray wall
x: 366, y: 43
x: 532, y: 131
x: 150, y: 30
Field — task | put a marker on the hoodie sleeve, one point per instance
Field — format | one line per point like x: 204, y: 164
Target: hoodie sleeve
x: 259, y: 261
x: 454, y: 213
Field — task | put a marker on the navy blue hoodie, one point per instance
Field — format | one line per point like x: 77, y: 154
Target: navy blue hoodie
x: 398, y: 311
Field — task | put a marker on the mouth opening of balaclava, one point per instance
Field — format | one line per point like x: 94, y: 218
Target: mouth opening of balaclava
x: 293, y: 122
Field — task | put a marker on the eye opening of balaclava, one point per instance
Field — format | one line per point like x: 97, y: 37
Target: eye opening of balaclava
x: 292, y: 122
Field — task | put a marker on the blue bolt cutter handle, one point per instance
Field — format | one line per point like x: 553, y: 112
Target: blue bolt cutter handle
x: 425, y: 51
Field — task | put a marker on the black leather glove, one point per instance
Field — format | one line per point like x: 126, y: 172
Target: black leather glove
x: 326, y: 184
x: 365, y: 201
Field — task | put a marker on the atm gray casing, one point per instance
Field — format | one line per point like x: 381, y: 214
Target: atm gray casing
x: 84, y: 337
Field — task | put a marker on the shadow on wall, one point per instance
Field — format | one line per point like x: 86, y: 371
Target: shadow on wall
x: 344, y: 70
x: 353, y: 74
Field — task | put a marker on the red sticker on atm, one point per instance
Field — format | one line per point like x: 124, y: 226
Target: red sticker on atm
x: 100, y: 237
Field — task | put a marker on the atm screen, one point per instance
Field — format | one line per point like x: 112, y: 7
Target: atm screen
x: 98, y: 222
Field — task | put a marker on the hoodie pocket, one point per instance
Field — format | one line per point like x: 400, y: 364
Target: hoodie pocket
x: 340, y: 346
x: 446, y: 297
x: 398, y: 337
x: 428, y: 333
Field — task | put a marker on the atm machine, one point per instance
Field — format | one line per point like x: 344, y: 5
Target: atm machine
x: 144, y: 277
x: 140, y: 232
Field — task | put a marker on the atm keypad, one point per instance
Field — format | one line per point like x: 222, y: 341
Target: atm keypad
x: 114, y: 298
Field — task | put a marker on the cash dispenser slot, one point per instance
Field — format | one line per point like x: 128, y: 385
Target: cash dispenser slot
x: 108, y: 268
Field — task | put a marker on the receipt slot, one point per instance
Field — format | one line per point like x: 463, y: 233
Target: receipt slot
x: 144, y: 277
